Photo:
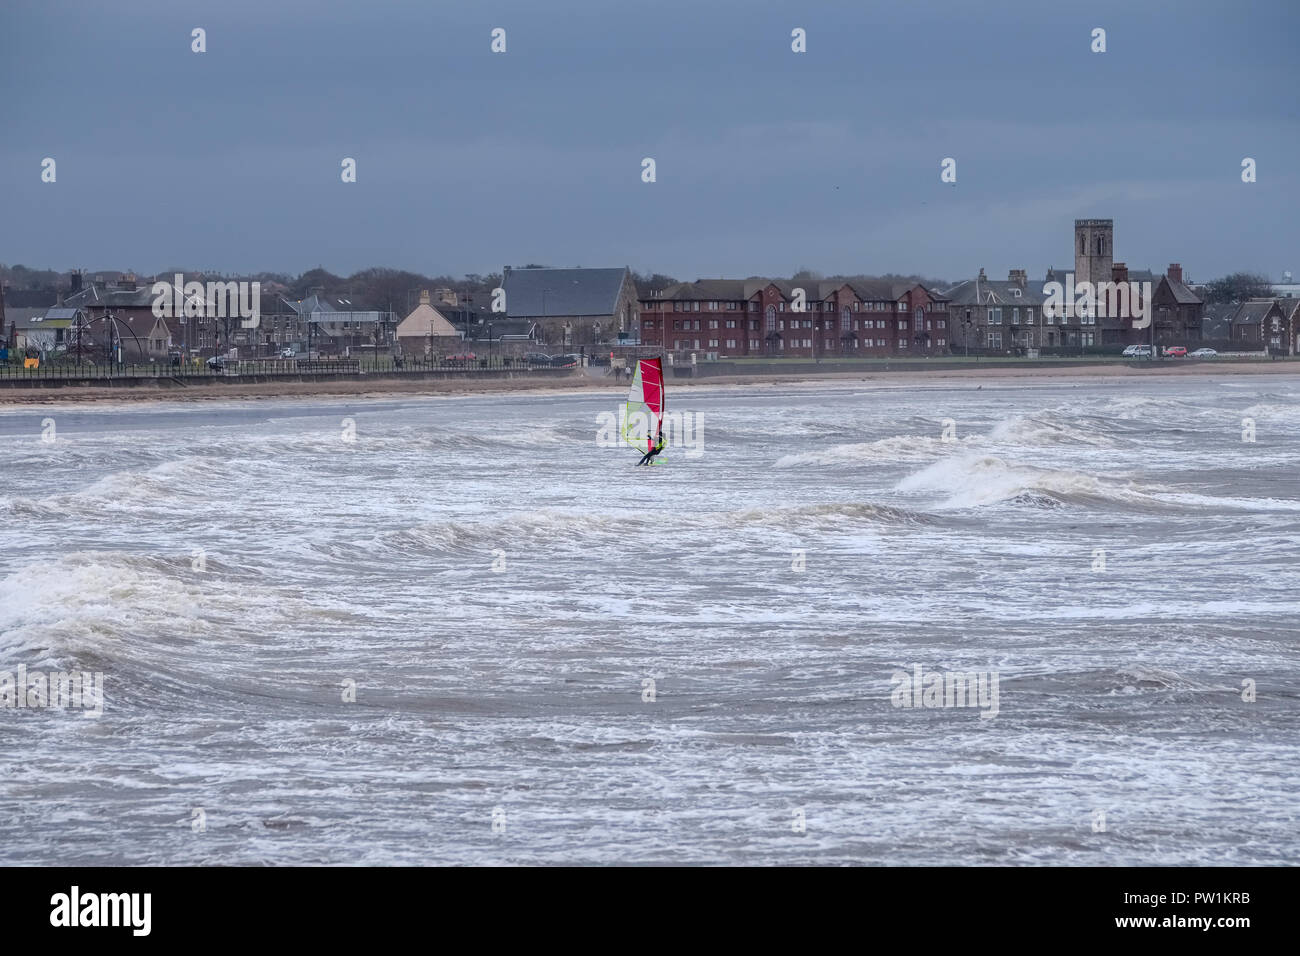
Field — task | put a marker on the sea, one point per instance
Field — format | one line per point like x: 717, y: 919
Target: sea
x: 962, y: 622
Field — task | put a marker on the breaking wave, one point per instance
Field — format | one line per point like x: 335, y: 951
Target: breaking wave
x: 975, y: 481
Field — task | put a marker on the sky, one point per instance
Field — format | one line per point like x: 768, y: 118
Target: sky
x: 766, y: 160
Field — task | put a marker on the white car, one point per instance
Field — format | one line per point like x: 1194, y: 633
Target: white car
x: 1203, y: 353
x: 1137, y: 351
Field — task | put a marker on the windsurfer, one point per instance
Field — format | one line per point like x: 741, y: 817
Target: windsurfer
x: 658, y: 446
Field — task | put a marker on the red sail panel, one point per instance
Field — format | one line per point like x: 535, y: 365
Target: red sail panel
x: 652, y: 385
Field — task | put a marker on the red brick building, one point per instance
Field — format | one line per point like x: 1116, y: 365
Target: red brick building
x: 796, y: 319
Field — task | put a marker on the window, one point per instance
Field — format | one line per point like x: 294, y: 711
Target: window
x: 995, y: 340
x: 713, y: 343
x: 995, y: 316
x: 695, y: 307
x: 919, y: 314
x: 942, y: 342
x: 902, y: 325
x: 731, y: 343
x: 713, y: 323
x: 902, y: 307
x: 1015, y: 316
x: 780, y: 326
x: 753, y: 345
x: 940, y: 323
x: 1029, y: 316
x: 697, y: 343
x: 781, y: 306
x: 846, y: 318
x: 902, y: 344
x: 830, y: 344
x: 713, y: 307
x: 753, y: 307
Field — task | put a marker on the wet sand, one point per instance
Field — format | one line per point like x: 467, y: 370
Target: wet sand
x: 595, y: 379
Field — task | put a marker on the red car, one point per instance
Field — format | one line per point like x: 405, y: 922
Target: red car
x: 1175, y: 351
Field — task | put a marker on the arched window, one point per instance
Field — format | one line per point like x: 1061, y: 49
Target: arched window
x: 845, y: 319
x: 771, y: 318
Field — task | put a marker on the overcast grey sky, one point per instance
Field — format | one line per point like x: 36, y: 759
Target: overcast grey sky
x: 768, y: 160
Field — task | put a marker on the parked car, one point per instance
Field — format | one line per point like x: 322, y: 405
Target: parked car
x: 287, y: 353
x: 1175, y: 351
x: 1204, y: 353
x: 1138, y: 351
x: 537, y: 358
x: 463, y: 358
x: 564, y: 361
x: 217, y: 363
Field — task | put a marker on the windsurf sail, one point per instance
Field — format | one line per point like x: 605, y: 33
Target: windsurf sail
x: 644, y: 410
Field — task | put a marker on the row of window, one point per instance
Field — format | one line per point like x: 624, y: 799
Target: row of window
x: 1049, y: 338
x: 694, y: 305
x: 830, y: 345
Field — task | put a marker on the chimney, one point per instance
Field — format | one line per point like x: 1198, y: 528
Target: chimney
x: 424, y: 297
x: 1175, y: 272
x: 127, y: 282
x: 983, y: 277
x: 1119, y: 272
x: 76, y: 281
x: 1019, y: 277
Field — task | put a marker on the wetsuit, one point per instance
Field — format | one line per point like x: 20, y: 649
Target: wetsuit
x: 658, y: 447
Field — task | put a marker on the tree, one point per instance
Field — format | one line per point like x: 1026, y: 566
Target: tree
x: 1238, y: 287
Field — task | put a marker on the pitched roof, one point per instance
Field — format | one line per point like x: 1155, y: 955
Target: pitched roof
x: 426, y: 320
x: 997, y: 292
x: 24, y: 318
x: 1252, y: 312
x: 560, y: 292
x: 1182, y: 294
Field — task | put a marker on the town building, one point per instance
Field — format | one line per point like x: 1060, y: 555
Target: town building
x: 1011, y: 317
x: 329, y: 324
x: 727, y: 318
x: 1262, y: 324
x: 426, y: 333
x: 572, y: 308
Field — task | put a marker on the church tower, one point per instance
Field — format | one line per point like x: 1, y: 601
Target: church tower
x: 1093, y: 250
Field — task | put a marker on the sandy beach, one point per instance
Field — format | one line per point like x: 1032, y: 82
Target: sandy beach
x: 595, y: 379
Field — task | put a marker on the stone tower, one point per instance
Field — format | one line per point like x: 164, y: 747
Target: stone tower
x: 1093, y: 250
